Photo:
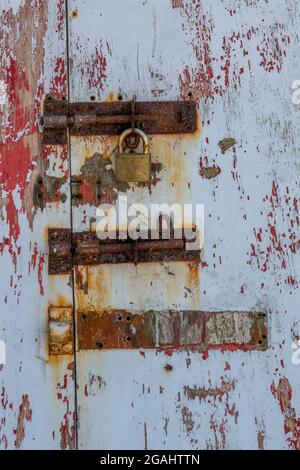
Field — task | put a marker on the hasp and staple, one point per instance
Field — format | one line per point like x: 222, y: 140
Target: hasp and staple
x: 100, y: 118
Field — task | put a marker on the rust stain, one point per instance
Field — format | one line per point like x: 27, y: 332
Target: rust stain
x: 81, y: 281
x: 99, y: 281
x: 25, y: 414
x: 114, y: 329
x: 260, y: 440
x: 284, y: 395
x: 210, y: 172
x: 226, y: 144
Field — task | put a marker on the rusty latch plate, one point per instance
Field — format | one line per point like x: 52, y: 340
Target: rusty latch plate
x: 95, y: 118
x: 60, y: 331
x: 85, y: 248
x: 121, y: 329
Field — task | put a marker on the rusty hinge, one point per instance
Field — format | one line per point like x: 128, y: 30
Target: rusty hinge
x: 67, y: 249
x: 98, y: 118
x: 187, y: 329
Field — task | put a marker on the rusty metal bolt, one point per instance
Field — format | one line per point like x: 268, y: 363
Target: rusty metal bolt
x: 54, y: 348
x: 54, y: 314
x: 67, y: 348
x: 67, y: 314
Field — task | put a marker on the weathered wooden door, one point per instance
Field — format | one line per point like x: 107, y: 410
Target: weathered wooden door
x: 223, y: 373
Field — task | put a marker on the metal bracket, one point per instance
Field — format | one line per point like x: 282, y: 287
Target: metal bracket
x: 187, y: 329
x: 60, y: 331
x: 85, y: 248
x: 99, y: 118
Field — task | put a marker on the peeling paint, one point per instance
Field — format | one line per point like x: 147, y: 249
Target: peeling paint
x: 226, y: 144
x: 202, y: 393
x: 210, y: 172
x: 284, y: 395
x: 25, y: 414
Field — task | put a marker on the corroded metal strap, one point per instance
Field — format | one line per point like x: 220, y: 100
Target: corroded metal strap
x: 86, y: 249
x: 93, y: 118
x: 121, y: 329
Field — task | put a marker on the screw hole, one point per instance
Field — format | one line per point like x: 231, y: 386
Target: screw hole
x: 264, y: 337
x: 120, y: 97
x: 93, y: 98
x: 190, y: 94
x: 99, y: 345
x: 260, y: 341
x: 128, y: 338
x: 128, y: 318
x: 120, y: 318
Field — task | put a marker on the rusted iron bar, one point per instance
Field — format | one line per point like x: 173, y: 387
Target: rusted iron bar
x: 121, y: 329
x: 87, y: 249
x: 159, y: 117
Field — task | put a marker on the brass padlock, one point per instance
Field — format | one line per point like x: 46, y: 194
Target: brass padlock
x: 133, y: 167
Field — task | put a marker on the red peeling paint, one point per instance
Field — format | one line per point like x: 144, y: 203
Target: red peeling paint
x: 284, y: 395
x: 40, y: 271
x: 217, y: 72
x: 94, y: 69
x: 67, y: 428
x: 60, y: 19
x: 59, y: 80
x: 25, y: 414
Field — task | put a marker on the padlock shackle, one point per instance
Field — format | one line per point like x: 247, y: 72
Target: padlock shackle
x: 137, y: 131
